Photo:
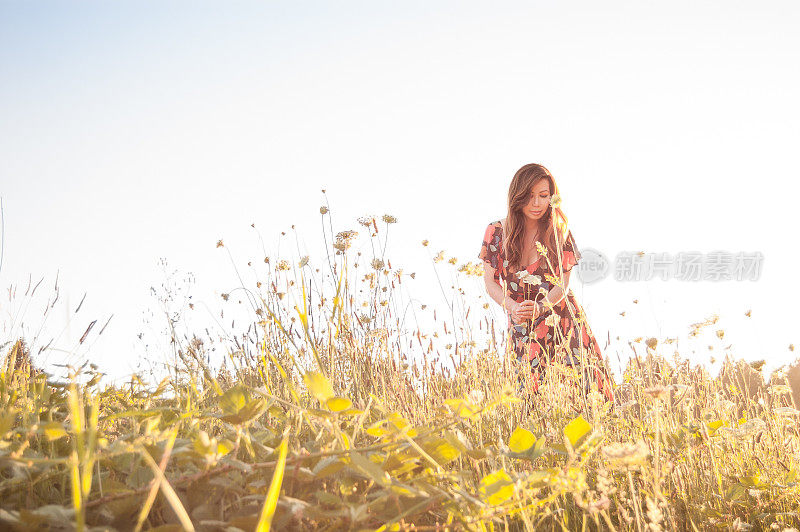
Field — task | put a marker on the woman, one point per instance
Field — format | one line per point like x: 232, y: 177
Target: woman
x: 531, y: 252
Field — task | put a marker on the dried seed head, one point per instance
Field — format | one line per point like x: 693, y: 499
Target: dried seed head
x: 626, y: 454
x: 657, y: 392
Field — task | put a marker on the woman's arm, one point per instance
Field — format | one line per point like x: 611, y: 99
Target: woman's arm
x: 556, y: 294
x: 496, y: 291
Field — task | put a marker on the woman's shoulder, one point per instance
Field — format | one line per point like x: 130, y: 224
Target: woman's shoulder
x: 498, y: 223
x: 495, y: 230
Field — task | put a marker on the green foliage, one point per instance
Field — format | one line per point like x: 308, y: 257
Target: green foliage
x: 337, y: 429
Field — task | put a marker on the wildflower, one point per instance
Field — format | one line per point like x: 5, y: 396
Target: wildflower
x: 225, y: 296
x: 343, y: 239
x: 219, y: 243
x: 439, y: 256
x: 533, y: 280
x: 323, y: 210
x: 541, y: 249
x: 476, y: 396
x: 389, y: 219
x: 376, y: 264
x: 552, y: 279
x: 366, y: 221
x: 555, y: 201
x: 425, y: 242
x: 283, y: 265
x: 303, y: 261
x: 652, y: 343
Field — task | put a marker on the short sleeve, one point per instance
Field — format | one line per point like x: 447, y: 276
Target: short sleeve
x: 569, y: 254
x: 492, y: 247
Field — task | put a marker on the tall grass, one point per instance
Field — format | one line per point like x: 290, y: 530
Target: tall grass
x: 322, y: 418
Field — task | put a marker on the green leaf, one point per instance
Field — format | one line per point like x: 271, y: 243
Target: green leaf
x: 521, y: 440
x: 328, y: 466
x: 234, y: 400
x: 248, y: 412
x: 339, y: 404
x: 319, y: 385
x: 577, y: 430
x: 7, y: 420
x: 369, y: 468
x: 538, y: 449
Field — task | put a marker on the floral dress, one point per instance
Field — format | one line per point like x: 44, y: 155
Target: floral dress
x: 561, y: 334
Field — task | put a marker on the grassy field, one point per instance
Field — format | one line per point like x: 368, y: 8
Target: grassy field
x: 325, y: 422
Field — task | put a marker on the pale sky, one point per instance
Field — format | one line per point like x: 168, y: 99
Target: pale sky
x: 134, y: 131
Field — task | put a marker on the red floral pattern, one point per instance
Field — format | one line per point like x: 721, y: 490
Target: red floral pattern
x: 537, y: 342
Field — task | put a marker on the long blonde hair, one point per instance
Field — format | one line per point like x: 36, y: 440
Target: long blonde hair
x: 553, y: 223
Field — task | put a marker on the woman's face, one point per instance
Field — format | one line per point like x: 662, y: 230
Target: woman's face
x: 538, y: 201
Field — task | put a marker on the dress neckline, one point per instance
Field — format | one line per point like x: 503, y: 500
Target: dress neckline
x: 502, y: 229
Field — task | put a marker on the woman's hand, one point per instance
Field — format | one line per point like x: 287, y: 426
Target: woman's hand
x: 524, y: 311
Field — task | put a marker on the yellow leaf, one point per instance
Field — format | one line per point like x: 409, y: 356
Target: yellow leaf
x: 521, y: 440
x: 576, y: 430
x: 224, y: 447
x: 496, y: 488
x: 54, y: 431
x: 338, y: 404
x: 377, y: 430
x: 271, y: 502
x: 319, y: 385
